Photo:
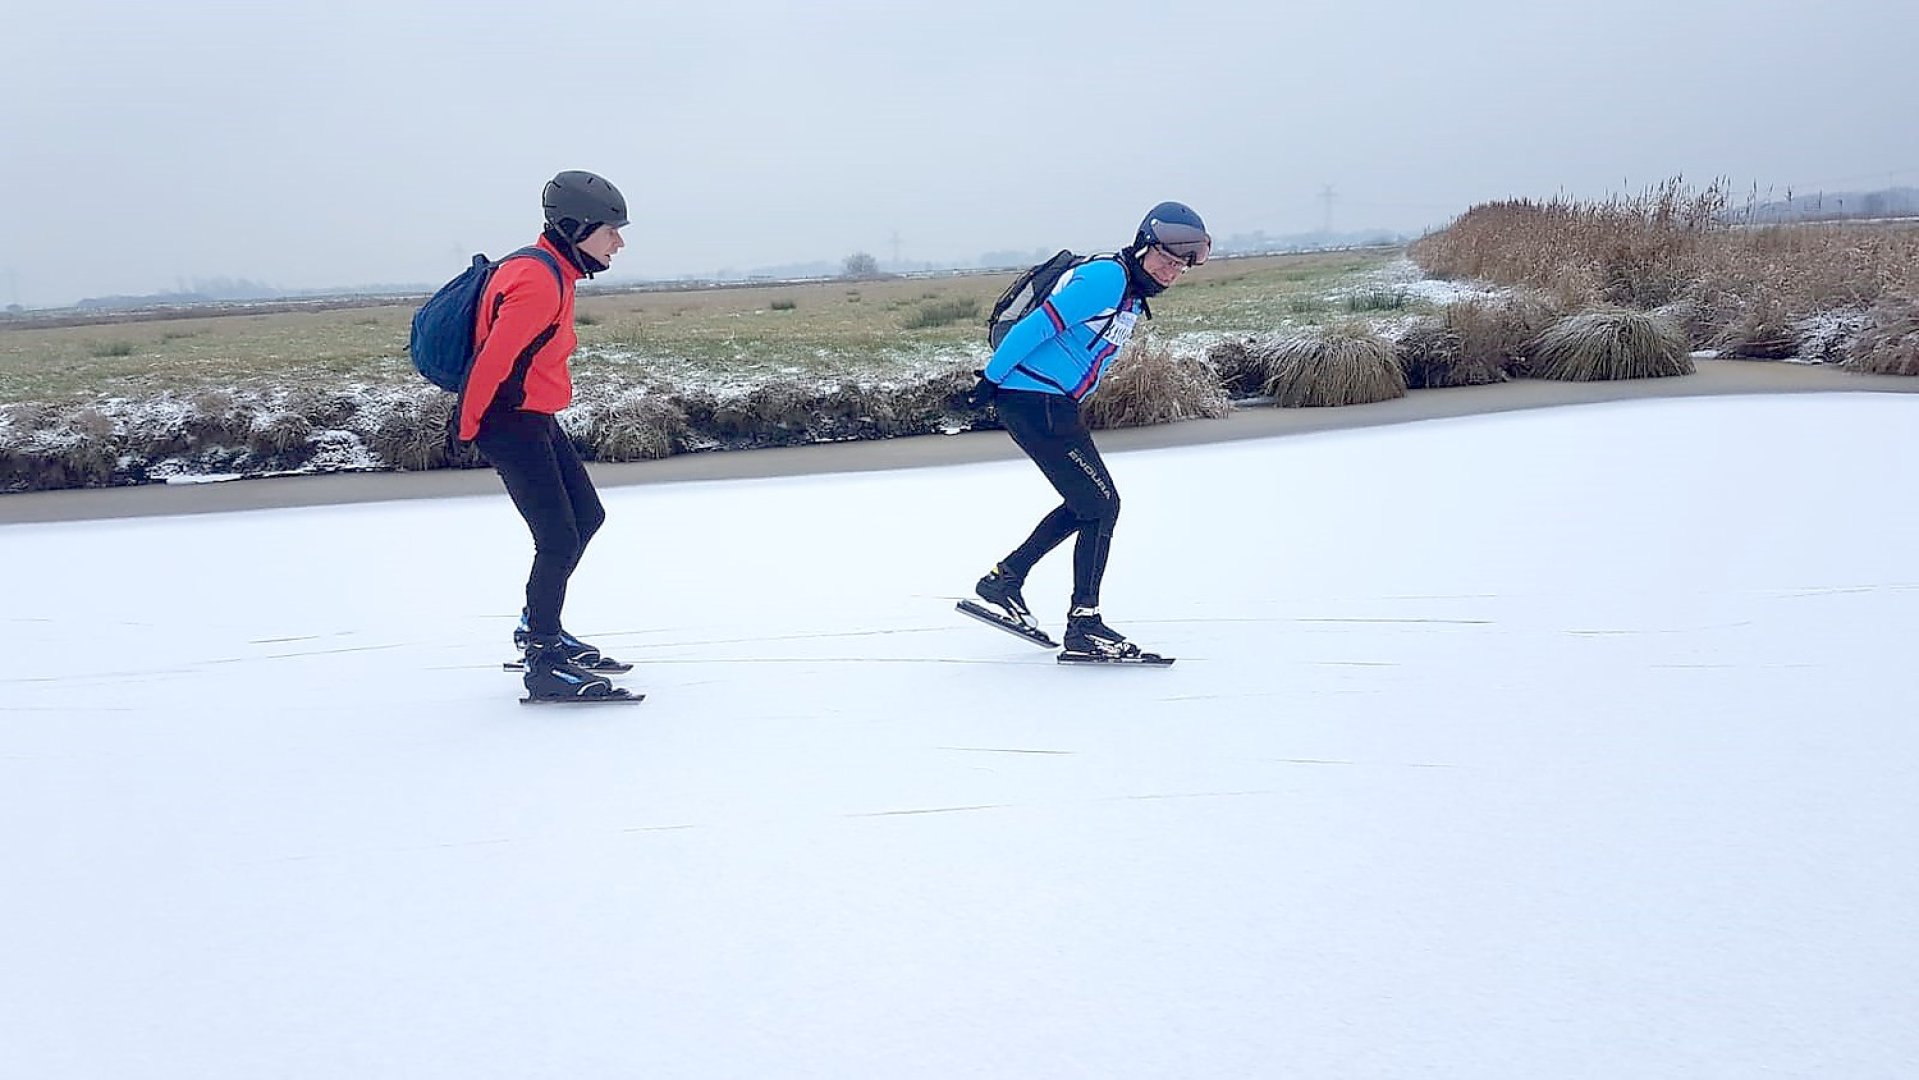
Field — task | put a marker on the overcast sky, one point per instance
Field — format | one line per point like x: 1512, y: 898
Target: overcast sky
x: 305, y: 144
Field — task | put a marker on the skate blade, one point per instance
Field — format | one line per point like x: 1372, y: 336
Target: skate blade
x: 1144, y: 659
x: 1001, y: 622
x: 617, y: 696
x: 604, y: 667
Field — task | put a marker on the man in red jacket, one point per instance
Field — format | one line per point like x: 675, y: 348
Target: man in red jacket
x: 519, y: 379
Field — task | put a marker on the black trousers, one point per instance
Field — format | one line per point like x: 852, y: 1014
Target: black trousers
x: 550, y: 488
x: 1049, y: 428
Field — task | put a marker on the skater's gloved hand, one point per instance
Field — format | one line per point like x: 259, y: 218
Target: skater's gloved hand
x: 981, y: 395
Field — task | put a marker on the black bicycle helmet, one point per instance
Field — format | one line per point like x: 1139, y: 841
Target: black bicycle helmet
x: 578, y: 202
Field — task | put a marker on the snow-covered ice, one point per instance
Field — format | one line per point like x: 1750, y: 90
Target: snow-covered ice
x: 1572, y: 743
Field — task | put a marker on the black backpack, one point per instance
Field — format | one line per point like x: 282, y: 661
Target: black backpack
x: 1027, y: 292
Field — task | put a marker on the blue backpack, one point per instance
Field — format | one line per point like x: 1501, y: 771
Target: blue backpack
x: 441, y: 344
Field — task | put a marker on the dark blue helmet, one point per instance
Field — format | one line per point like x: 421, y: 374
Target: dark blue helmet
x: 1176, y: 229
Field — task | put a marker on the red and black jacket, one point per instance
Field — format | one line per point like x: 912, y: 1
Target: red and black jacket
x: 512, y: 366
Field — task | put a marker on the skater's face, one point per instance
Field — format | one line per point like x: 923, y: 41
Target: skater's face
x: 602, y: 244
x: 1164, y: 266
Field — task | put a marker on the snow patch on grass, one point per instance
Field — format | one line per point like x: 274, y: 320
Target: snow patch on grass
x: 1403, y: 275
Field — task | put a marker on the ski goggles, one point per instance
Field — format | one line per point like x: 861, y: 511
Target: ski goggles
x: 1183, y: 242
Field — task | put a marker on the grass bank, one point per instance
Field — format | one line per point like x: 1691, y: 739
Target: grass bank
x: 657, y: 373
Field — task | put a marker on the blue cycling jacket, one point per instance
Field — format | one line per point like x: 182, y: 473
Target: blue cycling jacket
x: 1066, y: 344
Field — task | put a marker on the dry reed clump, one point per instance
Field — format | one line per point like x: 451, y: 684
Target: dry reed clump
x: 362, y: 427
x: 778, y: 412
x: 216, y: 419
x: 1692, y: 317
x: 410, y: 433
x: 944, y: 312
x: 1493, y: 333
x: 1150, y: 384
x: 334, y: 409
x: 790, y: 411
x: 73, y: 447
x: 919, y: 404
x: 91, y: 446
x: 339, y: 450
x: 1890, y: 343
x: 23, y: 416
x: 1757, y: 329
x: 278, y: 431
x: 1615, y: 344
x: 1343, y: 364
x: 639, y: 424
x: 1428, y: 353
x: 878, y: 409
x: 1238, y: 368
x: 436, y: 417
x: 1473, y: 342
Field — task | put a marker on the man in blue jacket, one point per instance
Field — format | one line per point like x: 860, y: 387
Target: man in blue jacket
x: 1043, y: 368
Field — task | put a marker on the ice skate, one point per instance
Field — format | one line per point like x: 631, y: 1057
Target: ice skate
x: 1005, y: 608
x: 579, y: 653
x: 1089, y: 640
x: 552, y: 677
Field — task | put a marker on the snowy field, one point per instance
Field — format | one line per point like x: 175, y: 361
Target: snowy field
x: 1570, y: 743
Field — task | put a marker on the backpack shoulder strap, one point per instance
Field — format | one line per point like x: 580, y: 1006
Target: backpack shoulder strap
x: 1106, y: 321
x: 540, y: 254
x: 1144, y: 308
x: 559, y: 281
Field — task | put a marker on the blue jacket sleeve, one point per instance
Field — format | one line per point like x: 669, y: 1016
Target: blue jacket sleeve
x: 1090, y: 288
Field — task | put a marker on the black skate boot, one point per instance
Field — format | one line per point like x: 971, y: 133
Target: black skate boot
x: 552, y: 677
x: 1007, y: 609
x: 579, y: 653
x: 1001, y: 589
x: 1090, y: 641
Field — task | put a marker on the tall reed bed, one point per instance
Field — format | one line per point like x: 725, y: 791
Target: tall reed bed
x: 1746, y: 290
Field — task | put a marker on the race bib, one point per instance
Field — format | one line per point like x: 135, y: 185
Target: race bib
x: 1121, y: 328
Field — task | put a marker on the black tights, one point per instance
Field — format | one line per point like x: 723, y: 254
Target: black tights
x: 1049, y: 428
x: 550, y: 488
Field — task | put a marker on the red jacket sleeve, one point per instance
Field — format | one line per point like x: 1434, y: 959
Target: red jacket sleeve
x: 520, y: 302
